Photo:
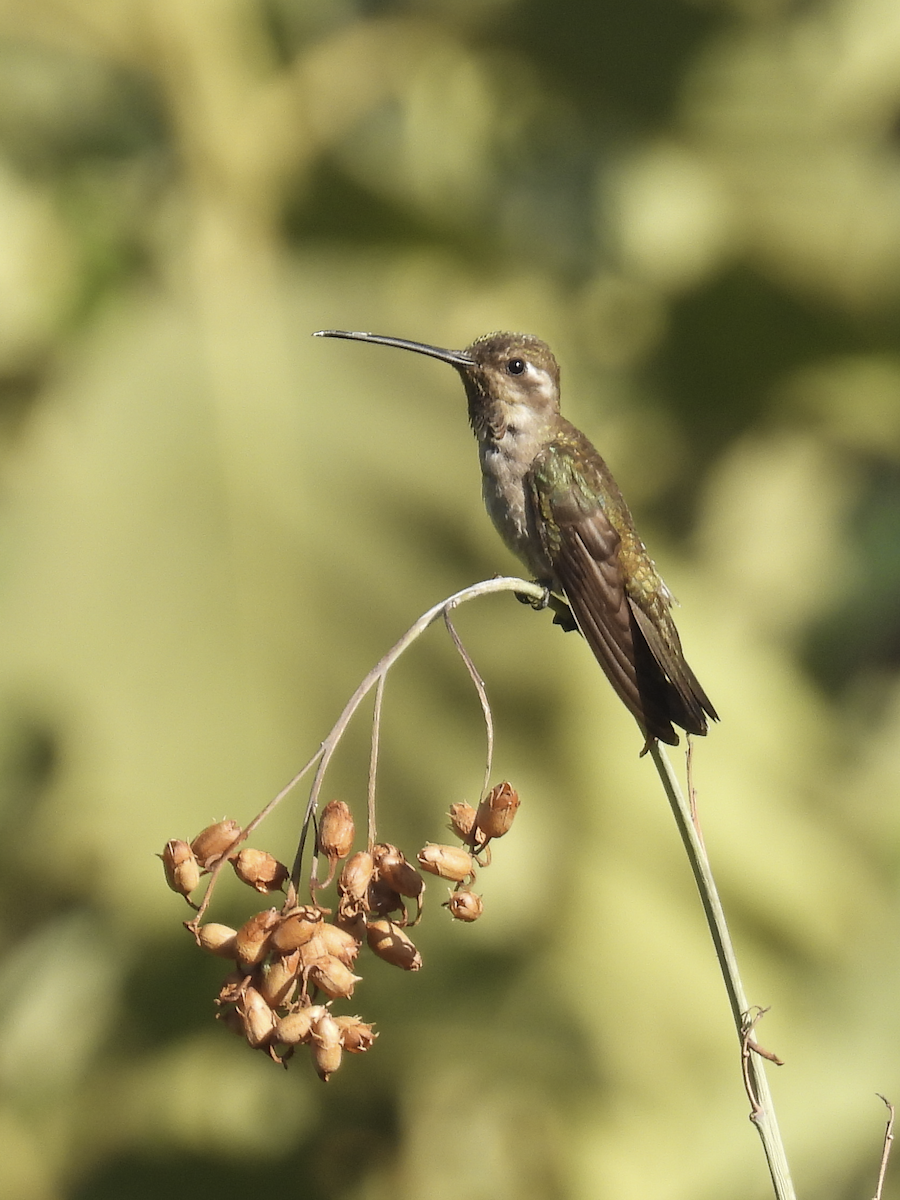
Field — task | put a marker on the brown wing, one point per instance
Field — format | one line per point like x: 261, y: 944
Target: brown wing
x: 640, y: 655
x: 689, y: 706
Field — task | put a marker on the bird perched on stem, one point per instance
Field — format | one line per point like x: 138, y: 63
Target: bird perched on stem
x: 558, y: 508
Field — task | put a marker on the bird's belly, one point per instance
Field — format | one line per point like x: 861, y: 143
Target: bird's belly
x: 503, y: 490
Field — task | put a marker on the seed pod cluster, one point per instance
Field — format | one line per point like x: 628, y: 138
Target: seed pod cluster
x: 476, y: 828
x: 185, y: 863
x: 290, y: 964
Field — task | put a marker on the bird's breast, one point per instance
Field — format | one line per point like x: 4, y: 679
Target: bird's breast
x: 505, y: 463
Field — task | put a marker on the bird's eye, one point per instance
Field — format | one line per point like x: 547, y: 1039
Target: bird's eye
x: 515, y: 366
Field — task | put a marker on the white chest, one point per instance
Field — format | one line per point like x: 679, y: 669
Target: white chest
x: 505, y: 462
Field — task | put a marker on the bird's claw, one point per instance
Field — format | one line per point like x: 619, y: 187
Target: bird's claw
x: 562, y: 613
x: 540, y: 604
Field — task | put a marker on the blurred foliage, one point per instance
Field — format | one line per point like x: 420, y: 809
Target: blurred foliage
x: 211, y: 526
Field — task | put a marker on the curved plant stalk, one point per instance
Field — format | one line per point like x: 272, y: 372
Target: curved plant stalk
x: 521, y: 587
x: 482, y: 696
x: 371, y: 833
x: 886, y: 1145
x: 488, y: 587
x: 762, y: 1113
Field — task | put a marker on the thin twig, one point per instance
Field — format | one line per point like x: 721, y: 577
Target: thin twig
x: 886, y: 1148
x: 373, y: 762
x: 313, y: 880
x: 689, y: 777
x: 482, y: 696
x: 763, y: 1113
x: 749, y: 1047
x: 248, y: 829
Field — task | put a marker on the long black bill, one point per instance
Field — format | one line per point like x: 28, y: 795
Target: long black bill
x: 456, y: 358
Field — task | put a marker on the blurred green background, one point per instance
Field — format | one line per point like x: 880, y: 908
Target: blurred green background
x: 211, y: 526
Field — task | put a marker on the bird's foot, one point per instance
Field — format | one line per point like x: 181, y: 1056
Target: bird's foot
x: 562, y: 613
x: 537, y: 605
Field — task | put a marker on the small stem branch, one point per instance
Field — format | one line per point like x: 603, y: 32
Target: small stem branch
x: 373, y: 764
x: 248, y: 829
x: 762, y: 1114
x: 886, y: 1147
x: 482, y: 696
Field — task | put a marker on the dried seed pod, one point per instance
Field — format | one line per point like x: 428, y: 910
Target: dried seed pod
x: 296, y: 1027
x: 355, y: 876
x: 352, y: 923
x: 356, y: 1036
x: 181, y: 867
x: 326, y: 1040
x: 353, y: 885
x: 252, y: 940
x: 465, y: 906
x: 279, y: 980
x: 397, y: 872
x: 215, y: 840
x: 260, y: 870
x: 258, y: 1018
x: 381, y: 899
x: 497, y: 810
x: 462, y: 820
x: 295, y: 930
x: 388, y: 941
x: 218, y: 939
x: 450, y: 862
x: 336, y: 830
x: 232, y: 987
x: 342, y: 945
x: 310, y: 951
x: 331, y: 976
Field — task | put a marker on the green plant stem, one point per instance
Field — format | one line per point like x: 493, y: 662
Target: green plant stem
x: 763, y: 1113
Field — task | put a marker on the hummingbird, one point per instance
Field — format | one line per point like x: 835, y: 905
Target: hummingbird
x: 555, y: 504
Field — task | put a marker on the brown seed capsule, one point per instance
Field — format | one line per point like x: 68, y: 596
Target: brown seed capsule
x: 356, y: 875
x: 397, y: 872
x: 252, y: 940
x: 356, y: 1036
x: 181, y: 867
x: 295, y: 930
x: 260, y: 870
x: 215, y: 840
x: 352, y: 923
x: 296, y: 1027
x: 232, y: 987
x: 450, y: 862
x: 326, y: 1040
x: 218, y: 939
x: 388, y: 941
x: 338, y: 942
x: 497, y: 810
x: 331, y: 976
x: 465, y: 906
x: 310, y: 951
x: 336, y: 830
x: 279, y: 980
x: 258, y: 1018
x: 381, y: 898
x: 462, y: 820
